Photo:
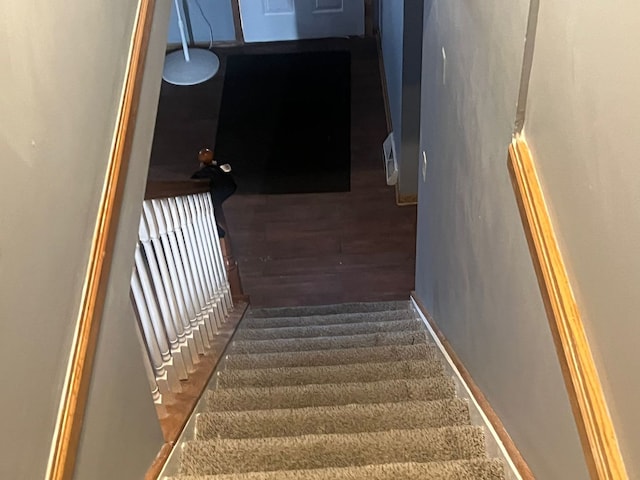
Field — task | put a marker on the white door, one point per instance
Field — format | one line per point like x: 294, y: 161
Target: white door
x: 275, y: 20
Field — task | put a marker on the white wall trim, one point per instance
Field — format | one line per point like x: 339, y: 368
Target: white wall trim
x: 495, y: 447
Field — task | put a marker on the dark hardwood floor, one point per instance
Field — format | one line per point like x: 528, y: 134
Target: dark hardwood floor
x: 310, y: 248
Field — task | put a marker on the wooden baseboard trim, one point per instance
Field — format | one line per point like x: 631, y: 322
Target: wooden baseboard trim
x: 403, y: 200
x: 171, y: 47
x: 368, y: 18
x: 383, y: 81
x: 183, y: 404
x: 595, y: 427
x: 75, y: 389
x: 512, y: 452
x: 241, y: 298
x: 237, y: 22
x: 156, y: 467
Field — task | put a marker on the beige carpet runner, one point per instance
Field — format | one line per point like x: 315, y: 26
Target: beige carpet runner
x: 352, y: 391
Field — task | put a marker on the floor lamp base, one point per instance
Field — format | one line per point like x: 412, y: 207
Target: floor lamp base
x: 202, y: 65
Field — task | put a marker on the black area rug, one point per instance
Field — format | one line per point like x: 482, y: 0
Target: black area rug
x: 284, y: 123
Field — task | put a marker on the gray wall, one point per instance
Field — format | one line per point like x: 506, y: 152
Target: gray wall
x: 62, y: 90
x: 400, y: 26
x: 473, y: 269
x: 217, y: 12
x: 121, y: 434
x: 582, y: 126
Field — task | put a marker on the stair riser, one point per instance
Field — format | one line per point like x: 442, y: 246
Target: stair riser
x: 327, y: 343
x: 317, y: 451
x: 345, y: 419
x: 436, y: 388
x: 284, y: 322
x: 328, y: 330
x: 347, y: 392
x: 360, y: 372
x: 329, y: 309
x: 332, y: 357
x: 457, y: 470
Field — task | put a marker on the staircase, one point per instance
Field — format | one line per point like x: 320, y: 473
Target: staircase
x: 351, y: 391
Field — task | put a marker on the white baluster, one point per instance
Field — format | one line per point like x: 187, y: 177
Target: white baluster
x: 155, y: 388
x: 210, y: 235
x: 210, y: 221
x: 202, y: 242
x: 174, y: 288
x: 161, y: 408
x: 154, y: 333
x: 205, y: 242
x: 167, y: 287
x: 198, y: 249
x: 156, y: 277
x: 196, y: 266
x: 180, y: 262
x: 188, y: 262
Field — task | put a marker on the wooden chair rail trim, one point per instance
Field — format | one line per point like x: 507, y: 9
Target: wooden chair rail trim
x: 587, y: 398
x: 76, y: 387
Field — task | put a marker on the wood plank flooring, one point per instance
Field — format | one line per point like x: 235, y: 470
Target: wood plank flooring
x: 311, y: 248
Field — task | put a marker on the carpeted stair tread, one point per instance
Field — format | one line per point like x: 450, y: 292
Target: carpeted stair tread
x: 342, y: 356
x: 352, y: 418
x: 348, y: 392
x: 328, y: 309
x: 356, y: 372
x: 476, y: 469
x: 326, y: 343
x: 336, y: 330
x: 336, y: 450
x: 331, y: 319
x: 252, y: 398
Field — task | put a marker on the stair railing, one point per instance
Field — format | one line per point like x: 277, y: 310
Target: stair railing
x: 179, y: 287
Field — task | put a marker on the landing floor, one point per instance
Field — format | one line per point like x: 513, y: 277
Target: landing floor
x: 313, y: 248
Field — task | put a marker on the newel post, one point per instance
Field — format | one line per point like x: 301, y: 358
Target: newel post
x: 230, y: 263
x: 231, y: 266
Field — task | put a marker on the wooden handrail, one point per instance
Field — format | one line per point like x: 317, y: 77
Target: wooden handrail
x: 174, y: 188
x: 76, y: 386
x: 597, y: 433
